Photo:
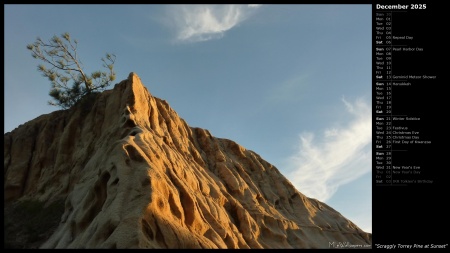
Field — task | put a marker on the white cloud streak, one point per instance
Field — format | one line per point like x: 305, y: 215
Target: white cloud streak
x: 195, y: 23
x: 337, y: 157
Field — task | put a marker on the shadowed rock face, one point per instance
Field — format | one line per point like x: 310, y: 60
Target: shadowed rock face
x: 134, y: 175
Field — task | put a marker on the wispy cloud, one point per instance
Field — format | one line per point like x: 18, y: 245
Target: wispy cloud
x: 194, y: 23
x: 289, y: 90
x: 339, y: 155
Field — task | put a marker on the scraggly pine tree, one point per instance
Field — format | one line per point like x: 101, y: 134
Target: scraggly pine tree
x: 63, y: 66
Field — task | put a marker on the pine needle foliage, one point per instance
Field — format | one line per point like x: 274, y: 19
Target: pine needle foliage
x: 61, y: 65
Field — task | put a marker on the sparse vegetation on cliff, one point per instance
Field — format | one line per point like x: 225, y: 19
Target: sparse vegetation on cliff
x: 62, y: 65
x: 28, y: 223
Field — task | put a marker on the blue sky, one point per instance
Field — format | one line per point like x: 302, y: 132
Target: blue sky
x: 290, y: 82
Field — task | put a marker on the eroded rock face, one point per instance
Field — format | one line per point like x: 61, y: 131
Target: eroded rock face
x: 134, y: 175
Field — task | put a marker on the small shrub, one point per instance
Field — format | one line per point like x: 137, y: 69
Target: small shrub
x: 28, y: 223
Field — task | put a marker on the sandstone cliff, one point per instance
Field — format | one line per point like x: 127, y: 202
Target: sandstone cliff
x: 132, y: 174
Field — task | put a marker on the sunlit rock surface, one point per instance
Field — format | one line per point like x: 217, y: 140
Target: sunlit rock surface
x: 133, y: 174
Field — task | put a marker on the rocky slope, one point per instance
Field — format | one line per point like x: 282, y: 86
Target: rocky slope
x: 132, y: 174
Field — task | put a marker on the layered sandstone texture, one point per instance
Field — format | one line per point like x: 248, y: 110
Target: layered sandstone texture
x: 133, y: 174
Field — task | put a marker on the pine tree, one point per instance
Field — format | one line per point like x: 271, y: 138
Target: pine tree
x: 62, y: 66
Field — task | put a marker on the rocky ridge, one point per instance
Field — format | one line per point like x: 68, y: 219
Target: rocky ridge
x: 133, y: 174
